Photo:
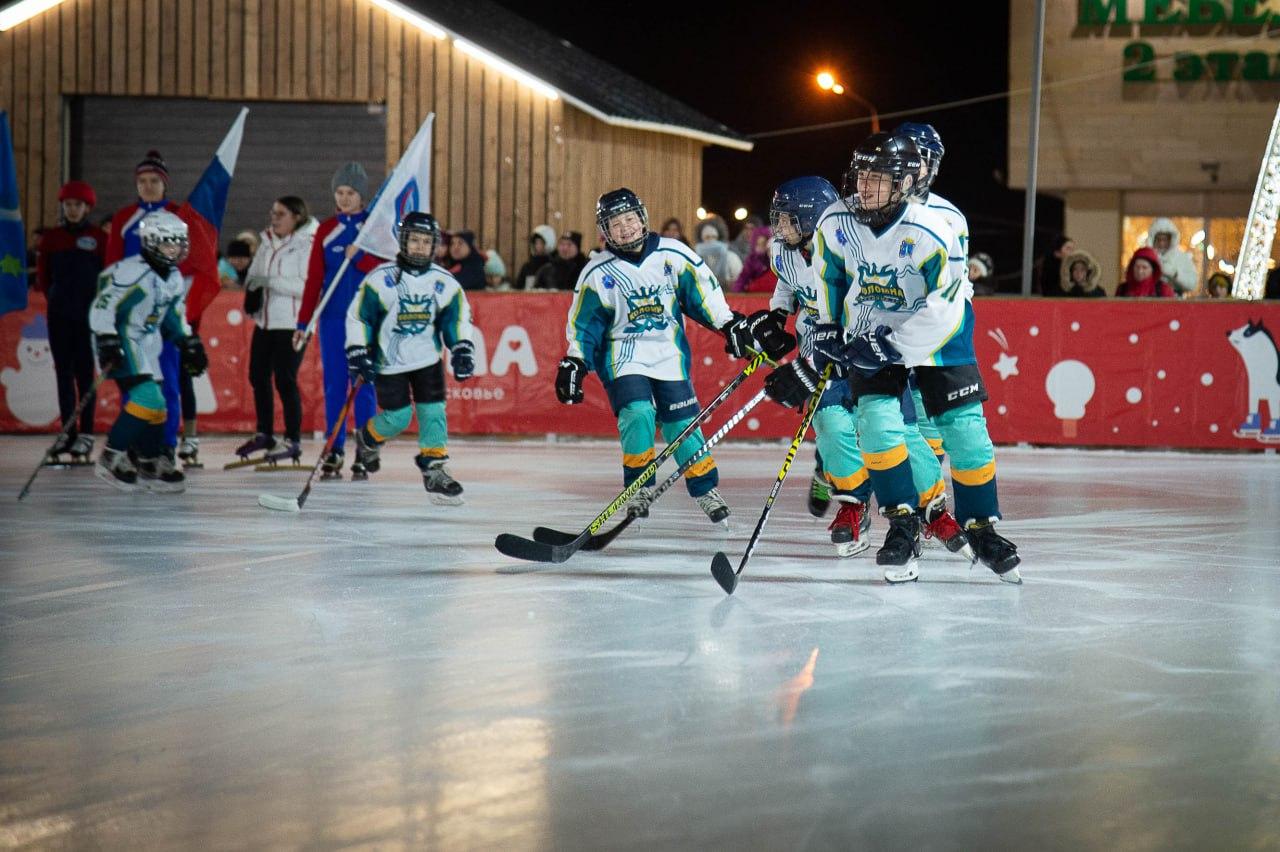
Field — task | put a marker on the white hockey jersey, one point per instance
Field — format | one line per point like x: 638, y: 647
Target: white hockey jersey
x: 909, y: 276
x: 959, y: 224
x: 797, y: 292
x: 143, y: 308
x: 409, y: 317
x: 628, y: 318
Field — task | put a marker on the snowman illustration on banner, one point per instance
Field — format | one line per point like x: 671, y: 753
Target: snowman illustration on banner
x: 30, y: 391
x: 1257, y: 348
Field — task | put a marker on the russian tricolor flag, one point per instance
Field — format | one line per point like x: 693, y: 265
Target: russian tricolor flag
x: 203, y: 212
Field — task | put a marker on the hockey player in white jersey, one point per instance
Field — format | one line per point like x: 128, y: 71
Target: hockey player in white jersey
x: 891, y: 274
x: 139, y: 306
x: 403, y: 319
x: 626, y: 323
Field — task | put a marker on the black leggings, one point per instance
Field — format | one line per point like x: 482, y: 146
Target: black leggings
x: 271, y: 354
x: 72, y: 348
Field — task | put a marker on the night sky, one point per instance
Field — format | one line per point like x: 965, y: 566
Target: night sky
x: 753, y: 70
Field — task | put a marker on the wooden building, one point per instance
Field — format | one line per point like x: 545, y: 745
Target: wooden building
x: 529, y: 129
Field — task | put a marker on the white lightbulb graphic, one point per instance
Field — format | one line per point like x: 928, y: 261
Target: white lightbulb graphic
x: 1070, y: 386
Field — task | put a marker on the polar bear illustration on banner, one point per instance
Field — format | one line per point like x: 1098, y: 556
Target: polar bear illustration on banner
x: 1257, y: 349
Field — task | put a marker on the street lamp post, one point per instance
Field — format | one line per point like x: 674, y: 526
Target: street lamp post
x: 827, y: 82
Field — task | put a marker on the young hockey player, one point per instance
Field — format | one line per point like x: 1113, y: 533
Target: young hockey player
x: 894, y: 272
x: 69, y: 259
x: 626, y: 324
x: 332, y: 244
x: 403, y: 318
x: 139, y: 307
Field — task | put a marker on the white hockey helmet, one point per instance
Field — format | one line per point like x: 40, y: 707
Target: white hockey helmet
x: 164, y: 238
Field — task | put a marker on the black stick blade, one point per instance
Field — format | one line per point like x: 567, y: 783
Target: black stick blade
x: 546, y: 535
x: 723, y: 571
x: 518, y: 547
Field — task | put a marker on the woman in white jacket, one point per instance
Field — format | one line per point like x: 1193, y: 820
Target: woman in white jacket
x: 273, y: 294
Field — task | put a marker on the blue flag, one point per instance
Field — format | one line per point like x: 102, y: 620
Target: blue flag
x: 13, y: 239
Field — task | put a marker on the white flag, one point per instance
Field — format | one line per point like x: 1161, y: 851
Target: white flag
x: 407, y: 189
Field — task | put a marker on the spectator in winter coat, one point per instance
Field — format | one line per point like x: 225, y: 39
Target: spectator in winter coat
x: 1218, y: 286
x: 236, y: 262
x: 741, y: 245
x: 274, y: 287
x: 563, y: 270
x: 981, y: 268
x: 673, y: 230
x: 69, y: 259
x: 757, y: 274
x: 714, y: 250
x: 1142, y: 277
x: 1049, y: 282
x: 540, y: 242
x: 466, y: 262
x: 1179, y: 269
x: 1080, y: 274
x: 495, y: 273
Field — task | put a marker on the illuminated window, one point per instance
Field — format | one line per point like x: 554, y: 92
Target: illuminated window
x: 1198, y: 236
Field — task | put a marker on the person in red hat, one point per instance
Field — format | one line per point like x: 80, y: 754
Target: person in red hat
x: 151, y: 178
x: 68, y: 261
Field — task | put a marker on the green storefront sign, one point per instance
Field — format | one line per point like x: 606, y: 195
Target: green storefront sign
x: 1188, y: 13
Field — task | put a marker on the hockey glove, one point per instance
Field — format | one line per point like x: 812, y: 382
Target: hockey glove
x: 870, y: 352
x: 792, y: 384
x: 110, y: 351
x: 737, y: 337
x: 192, y: 355
x: 569, y: 377
x: 360, y: 363
x: 769, y: 328
x: 462, y: 358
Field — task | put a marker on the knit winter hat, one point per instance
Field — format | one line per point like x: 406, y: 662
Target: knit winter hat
x: 574, y: 237
x: 153, y: 162
x: 352, y: 175
x: 78, y: 190
x: 493, y: 264
x: 239, y: 248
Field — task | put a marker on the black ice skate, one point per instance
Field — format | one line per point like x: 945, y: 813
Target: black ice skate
x: 819, y: 495
x: 61, y: 447
x: 285, y: 450
x: 995, y: 551
x: 713, y: 505
x: 81, y: 449
x: 331, y: 466
x: 252, y: 452
x: 639, y: 503
x: 359, y: 473
x: 161, y: 475
x: 368, y: 454
x: 443, y: 488
x: 115, y: 469
x: 189, y: 453
x: 941, y: 525
x: 901, y: 551
x: 850, y: 529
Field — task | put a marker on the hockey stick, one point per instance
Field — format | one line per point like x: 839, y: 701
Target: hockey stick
x: 288, y: 504
x: 519, y: 547
x: 602, y: 540
x: 66, y: 429
x: 721, y: 569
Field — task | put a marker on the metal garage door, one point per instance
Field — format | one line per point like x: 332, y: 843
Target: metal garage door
x: 288, y: 149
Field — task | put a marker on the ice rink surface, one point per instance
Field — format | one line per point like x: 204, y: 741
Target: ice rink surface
x: 195, y: 672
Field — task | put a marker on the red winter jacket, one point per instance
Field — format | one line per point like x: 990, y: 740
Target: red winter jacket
x: 1149, y: 287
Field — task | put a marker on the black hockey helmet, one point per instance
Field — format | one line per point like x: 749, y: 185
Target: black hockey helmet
x: 929, y: 143
x: 892, y: 160
x: 615, y: 203
x: 422, y: 223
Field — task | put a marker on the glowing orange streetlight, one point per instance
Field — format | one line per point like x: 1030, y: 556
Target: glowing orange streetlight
x: 827, y: 82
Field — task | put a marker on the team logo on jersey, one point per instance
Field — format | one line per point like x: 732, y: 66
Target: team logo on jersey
x: 645, y: 311
x: 608, y: 281
x: 907, y: 247
x: 439, y: 286
x: 666, y: 268
x: 840, y: 237
x: 87, y: 243
x: 880, y: 285
x: 389, y: 278
x: 413, y: 314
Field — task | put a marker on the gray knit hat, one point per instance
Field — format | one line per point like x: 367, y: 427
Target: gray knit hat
x: 352, y: 175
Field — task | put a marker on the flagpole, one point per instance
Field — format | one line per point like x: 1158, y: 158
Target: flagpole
x: 324, y: 300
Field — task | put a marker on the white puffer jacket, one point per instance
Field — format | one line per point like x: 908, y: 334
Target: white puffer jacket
x: 280, y: 267
x: 1178, y: 267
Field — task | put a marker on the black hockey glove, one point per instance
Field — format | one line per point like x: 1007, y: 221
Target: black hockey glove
x: 871, y: 352
x: 791, y: 384
x: 110, y: 351
x: 769, y: 328
x: 737, y: 337
x: 828, y: 343
x: 360, y: 363
x: 462, y: 358
x: 569, y: 377
x: 192, y: 356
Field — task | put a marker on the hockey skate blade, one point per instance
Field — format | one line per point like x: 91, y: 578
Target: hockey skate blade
x: 846, y: 549
x: 723, y: 571
x: 279, y: 504
x: 895, y: 574
x: 1013, y: 577
x: 444, y: 499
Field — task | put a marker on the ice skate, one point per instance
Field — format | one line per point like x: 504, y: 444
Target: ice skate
x: 900, y: 554
x: 368, y: 454
x: 286, y: 450
x: 61, y: 447
x: 189, y: 453
x: 115, y: 469
x: 359, y: 473
x: 443, y: 489
x: 819, y: 495
x: 252, y: 452
x: 850, y: 528
x: 331, y: 467
x: 995, y: 551
x: 941, y: 525
x: 639, y: 503
x: 81, y: 449
x: 713, y: 505
x: 161, y: 475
